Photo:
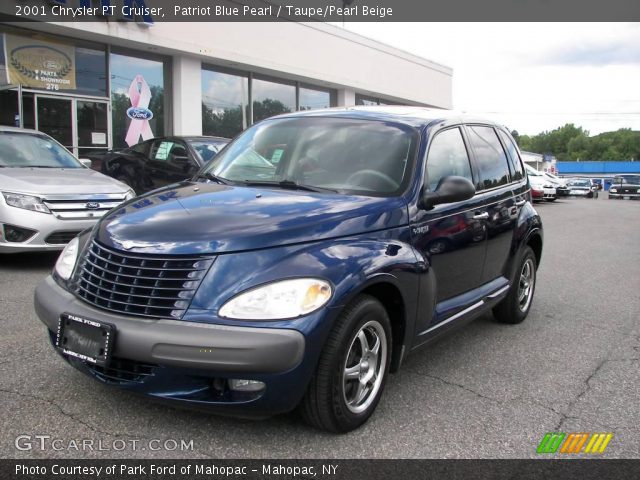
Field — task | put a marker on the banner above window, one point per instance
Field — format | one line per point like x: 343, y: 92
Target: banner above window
x: 40, y: 64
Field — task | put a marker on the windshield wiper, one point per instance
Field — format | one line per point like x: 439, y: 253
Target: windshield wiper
x: 288, y: 184
x: 212, y: 177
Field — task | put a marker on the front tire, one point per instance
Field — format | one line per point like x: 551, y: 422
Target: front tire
x: 514, y: 308
x: 353, y: 368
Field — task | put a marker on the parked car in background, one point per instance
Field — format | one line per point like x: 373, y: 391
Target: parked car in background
x: 541, y: 186
x: 581, y: 187
x: 560, y: 184
x: 259, y: 285
x: 48, y: 196
x: 625, y: 186
x: 161, y: 161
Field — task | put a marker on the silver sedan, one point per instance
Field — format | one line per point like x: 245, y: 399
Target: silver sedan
x: 47, y: 196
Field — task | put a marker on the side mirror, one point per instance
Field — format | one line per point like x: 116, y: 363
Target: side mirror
x: 450, y: 189
x: 86, y: 162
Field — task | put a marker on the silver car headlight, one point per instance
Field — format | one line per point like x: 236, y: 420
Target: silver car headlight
x: 67, y: 259
x: 130, y: 194
x: 614, y: 190
x: 28, y: 202
x: 279, y: 300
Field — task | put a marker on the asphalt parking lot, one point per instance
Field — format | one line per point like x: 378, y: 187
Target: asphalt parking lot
x: 486, y: 391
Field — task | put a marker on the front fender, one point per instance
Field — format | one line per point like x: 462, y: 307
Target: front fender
x: 349, y: 264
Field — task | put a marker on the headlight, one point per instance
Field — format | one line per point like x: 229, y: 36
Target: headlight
x: 279, y: 300
x: 613, y: 190
x: 130, y: 194
x: 27, y: 202
x: 67, y: 259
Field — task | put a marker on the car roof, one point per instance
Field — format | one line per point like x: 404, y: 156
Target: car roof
x: 408, y: 115
x: 198, y: 137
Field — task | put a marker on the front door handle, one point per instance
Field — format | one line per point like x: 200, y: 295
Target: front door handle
x: 481, y: 216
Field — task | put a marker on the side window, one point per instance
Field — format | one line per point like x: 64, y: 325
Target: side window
x: 514, y: 158
x: 492, y: 161
x: 447, y: 156
x: 161, y: 150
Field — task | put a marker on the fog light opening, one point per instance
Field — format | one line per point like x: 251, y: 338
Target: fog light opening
x: 242, y: 385
x: 17, y: 234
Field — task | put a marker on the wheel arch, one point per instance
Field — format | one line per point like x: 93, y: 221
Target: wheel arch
x: 385, y: 289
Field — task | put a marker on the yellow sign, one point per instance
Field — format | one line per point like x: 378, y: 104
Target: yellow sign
x: 40, y: 64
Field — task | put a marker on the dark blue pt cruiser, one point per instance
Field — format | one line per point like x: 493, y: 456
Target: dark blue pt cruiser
x: 302, y: 265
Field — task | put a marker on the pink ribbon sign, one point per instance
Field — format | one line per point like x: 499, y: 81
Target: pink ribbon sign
x: 139, y: 113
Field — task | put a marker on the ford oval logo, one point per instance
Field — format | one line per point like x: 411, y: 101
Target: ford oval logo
x: 92, y: 205
x: 137, y: 113
x: 51, y: 65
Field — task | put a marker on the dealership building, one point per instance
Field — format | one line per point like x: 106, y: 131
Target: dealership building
x: 108, y: 84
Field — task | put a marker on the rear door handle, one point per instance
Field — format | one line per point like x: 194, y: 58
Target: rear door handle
x: 481, y: 216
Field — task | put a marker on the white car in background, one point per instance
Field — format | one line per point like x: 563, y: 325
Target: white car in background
x: 541, y: 186
x: 47, y: 195
x: 560, y: 184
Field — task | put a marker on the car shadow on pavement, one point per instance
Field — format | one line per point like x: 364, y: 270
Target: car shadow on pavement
x: 29, y: 260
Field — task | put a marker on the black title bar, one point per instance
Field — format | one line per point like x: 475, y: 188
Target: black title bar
x: 152, y: 11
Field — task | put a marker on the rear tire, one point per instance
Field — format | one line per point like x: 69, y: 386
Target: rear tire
x: 352, y: 371
x: 514, y: 308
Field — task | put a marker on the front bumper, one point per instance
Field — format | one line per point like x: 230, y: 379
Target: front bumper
x: 44, y: 224
x: 580, y: 193
x: 182, y: 360
x: 619, y: 194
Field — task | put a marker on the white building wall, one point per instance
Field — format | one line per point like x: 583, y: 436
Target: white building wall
x: 316, y: 53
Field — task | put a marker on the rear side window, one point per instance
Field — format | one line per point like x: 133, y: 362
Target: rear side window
x: 490, y: 156
x: 514, y: 158
x: 447, y: 156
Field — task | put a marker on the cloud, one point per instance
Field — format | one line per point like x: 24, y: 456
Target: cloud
x: 625, y: 52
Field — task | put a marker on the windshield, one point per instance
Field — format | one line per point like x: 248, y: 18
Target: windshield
x: 24, y: 150
x: 345, y: 155
x: 580, y: 183
x: 532, y: 171
x: 629, y: 180
x: 207, y: 149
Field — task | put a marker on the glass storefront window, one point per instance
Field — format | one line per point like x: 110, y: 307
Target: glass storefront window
x: 370, y: 101
x: 271, y: 98
x: 312, y: 99
x: 91, y: 72
x: 225, y: 100
x: 137, y: 99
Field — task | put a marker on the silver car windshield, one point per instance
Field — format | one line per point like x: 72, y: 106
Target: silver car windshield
x: 31, y: 150
x: 334, y: 154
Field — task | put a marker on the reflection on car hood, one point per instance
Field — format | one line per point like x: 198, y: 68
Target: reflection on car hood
x: 47, y: 181
x: 212, y: 218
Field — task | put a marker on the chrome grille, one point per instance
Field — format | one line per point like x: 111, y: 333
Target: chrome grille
x: 145, y: 285
x: 73, y: 207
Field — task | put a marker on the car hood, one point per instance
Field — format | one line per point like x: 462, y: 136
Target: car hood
x: 538, y: 181
x: 47, y: 181
x: 211, y: 218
